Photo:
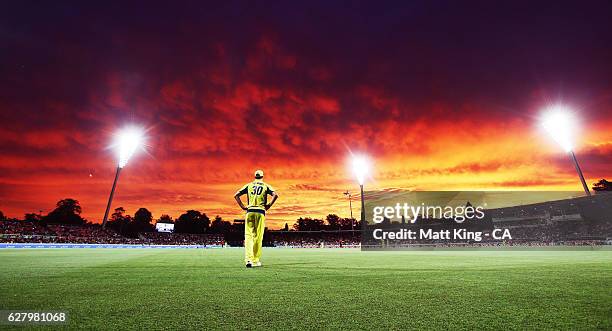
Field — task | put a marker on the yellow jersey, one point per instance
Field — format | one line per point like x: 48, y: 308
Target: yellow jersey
x: 257, y: 194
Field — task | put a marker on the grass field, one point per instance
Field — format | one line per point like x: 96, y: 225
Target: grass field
x: 312, y: 288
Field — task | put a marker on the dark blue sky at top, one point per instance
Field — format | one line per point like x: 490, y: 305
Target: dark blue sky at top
x: 494, y: 51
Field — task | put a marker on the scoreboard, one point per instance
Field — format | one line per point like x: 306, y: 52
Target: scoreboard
x: 164, y: 227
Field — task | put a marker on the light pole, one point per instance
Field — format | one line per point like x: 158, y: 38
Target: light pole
x: 128, y: 141
x: 579, y: 171
x: 347, y: 193
x: 362, y: 205
x: 560, y: 124
x: 360, y: 169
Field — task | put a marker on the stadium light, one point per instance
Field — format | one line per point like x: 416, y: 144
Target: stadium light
x: 360, y: 169
x: 559, y: 122
x: 128, y: 141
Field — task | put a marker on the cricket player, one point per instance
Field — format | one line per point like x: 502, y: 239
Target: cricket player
x: 257, y: 199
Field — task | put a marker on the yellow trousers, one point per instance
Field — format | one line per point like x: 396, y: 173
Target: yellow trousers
x: 253, y: 236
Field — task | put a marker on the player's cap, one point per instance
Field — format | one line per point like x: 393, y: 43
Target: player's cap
x: 259, y: 174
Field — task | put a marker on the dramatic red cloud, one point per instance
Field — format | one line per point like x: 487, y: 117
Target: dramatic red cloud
x: 295, y: 100
x: 197, y: 160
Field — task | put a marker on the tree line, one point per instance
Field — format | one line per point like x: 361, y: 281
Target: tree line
x: 68, y: 211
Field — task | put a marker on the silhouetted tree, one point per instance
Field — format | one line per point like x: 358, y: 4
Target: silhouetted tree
x: 192, y: 222
x: 119, y: 221
x: 142, y: 221
x: 347, y: 223
x: 143, y: 215
x: 2, y: 217
x: 218, y: 225
x: 308, y: 224
x: 286, y: 227
x: 67, y: 211
x: 602, y: 185
x: 32, y: 217
x: 118, y: 214
x: 165, y: 219
x: 333, y: 221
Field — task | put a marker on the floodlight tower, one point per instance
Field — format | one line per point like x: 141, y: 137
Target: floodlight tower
x: 360, y: 169
x: 128, y: 141
x: 560, y: 124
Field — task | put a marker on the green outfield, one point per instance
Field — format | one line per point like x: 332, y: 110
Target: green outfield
x: 312, y: 288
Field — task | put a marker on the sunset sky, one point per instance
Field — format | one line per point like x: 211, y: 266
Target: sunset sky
x: 440, y: 95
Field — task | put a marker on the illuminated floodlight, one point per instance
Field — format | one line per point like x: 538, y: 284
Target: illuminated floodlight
x: 128, y: 141
x: 361, y: 167
x: 560, y: 123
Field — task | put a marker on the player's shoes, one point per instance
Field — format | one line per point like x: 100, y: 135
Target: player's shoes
x: 249, y: 264
x: 257, y: 264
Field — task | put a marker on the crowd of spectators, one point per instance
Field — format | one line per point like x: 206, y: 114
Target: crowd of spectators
x: 315, y: 239
x: 164, y: 238
x: 536, y: 226
x: 563, y: 231
x: 37, y: 232
x: 526, y: 230
x: 23, y: 228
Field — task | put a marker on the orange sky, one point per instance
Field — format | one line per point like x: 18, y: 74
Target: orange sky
x: 453, y: 154
x: 438, y: 101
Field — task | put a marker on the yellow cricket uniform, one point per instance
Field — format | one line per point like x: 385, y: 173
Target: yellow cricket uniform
x: 257, y: 197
